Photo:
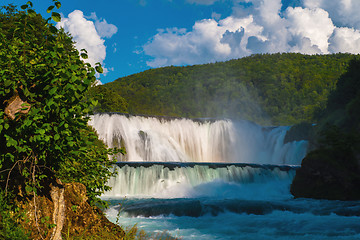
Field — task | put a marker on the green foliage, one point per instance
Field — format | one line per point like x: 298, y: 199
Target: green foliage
x: 269, y: 88
x: 91, y: 165
x: 49, y: 134
x: 339, y: 124
x: 9, y: 229
x: 108, y: 100
x: 342, y: 143
x: 343, y: 105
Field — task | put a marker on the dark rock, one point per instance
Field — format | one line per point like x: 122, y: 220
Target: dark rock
x: 326, y: 175
x: 298, y: 132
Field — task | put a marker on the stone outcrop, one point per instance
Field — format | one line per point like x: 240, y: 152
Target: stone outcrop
x: 324, y: 174
x: 66, y: 214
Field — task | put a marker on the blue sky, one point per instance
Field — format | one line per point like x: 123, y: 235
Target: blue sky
x: 130, y: 36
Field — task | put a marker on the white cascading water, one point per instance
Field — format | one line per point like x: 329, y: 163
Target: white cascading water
x: 217, y: 179
x: 185, y: 140
x: 158, y: 181
x: 150, y: 139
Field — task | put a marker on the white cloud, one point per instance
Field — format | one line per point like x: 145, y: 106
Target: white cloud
x: 208, y: 41
x: 345, y: 40
x: 103, y: 28
x: 266, y: 14
x: 305, y: 46
x: 312, y: 24
x: 261, y: 26
x: 268, y: 10
x: 87, y: 36
x: 344, y: 13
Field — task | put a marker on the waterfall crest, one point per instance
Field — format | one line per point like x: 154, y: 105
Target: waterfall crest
x: 185, y: 140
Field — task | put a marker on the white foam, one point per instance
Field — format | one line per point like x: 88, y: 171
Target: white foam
x: 187, y: 182
x: 277, y: 225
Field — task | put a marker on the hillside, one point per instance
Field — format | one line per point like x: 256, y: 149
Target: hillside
x: 269, y: 89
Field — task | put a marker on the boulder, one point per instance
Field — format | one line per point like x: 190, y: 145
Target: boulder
x: 326, y: 175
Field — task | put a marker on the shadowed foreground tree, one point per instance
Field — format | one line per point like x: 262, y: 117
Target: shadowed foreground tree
x: 332, y: 170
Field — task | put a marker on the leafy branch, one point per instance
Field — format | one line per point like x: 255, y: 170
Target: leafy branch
x: 44, y: 106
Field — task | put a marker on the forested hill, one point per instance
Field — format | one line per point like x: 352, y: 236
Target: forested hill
x: 268, y: 89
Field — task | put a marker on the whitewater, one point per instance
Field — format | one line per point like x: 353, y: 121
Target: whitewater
x: 214, y: 179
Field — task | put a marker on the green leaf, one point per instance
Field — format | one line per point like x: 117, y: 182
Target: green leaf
x: 8, y: 82
x: 53, y: 29
x: 56, y: 16
x: 56, y: 137
x: 94, y: 102
x: 58, y: 5
x: 31, y: 13
x: 50, y: 9
x: 84, y: 55
x: 99, y: 69
x: 53, y: 90
x: 23, y: 7
x: 28, y: 189
x: 11, y: 142
x: 27, y: 122
x: 50, y: 102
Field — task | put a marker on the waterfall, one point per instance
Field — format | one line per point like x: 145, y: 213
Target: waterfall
x: 214, y: 179
x: 186, y: 140
x: 163, y: 181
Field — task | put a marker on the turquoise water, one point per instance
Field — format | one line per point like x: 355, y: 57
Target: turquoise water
x: 198, y: 199
x: 223, y: 210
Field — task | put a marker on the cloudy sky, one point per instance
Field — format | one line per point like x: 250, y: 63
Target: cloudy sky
x: 130, y: 36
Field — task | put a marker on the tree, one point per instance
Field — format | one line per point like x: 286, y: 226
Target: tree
x: 44, y: 108
x: 270, y: 89
x: 108, y: 100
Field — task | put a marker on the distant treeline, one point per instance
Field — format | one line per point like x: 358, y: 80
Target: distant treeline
x: 269, y: 89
